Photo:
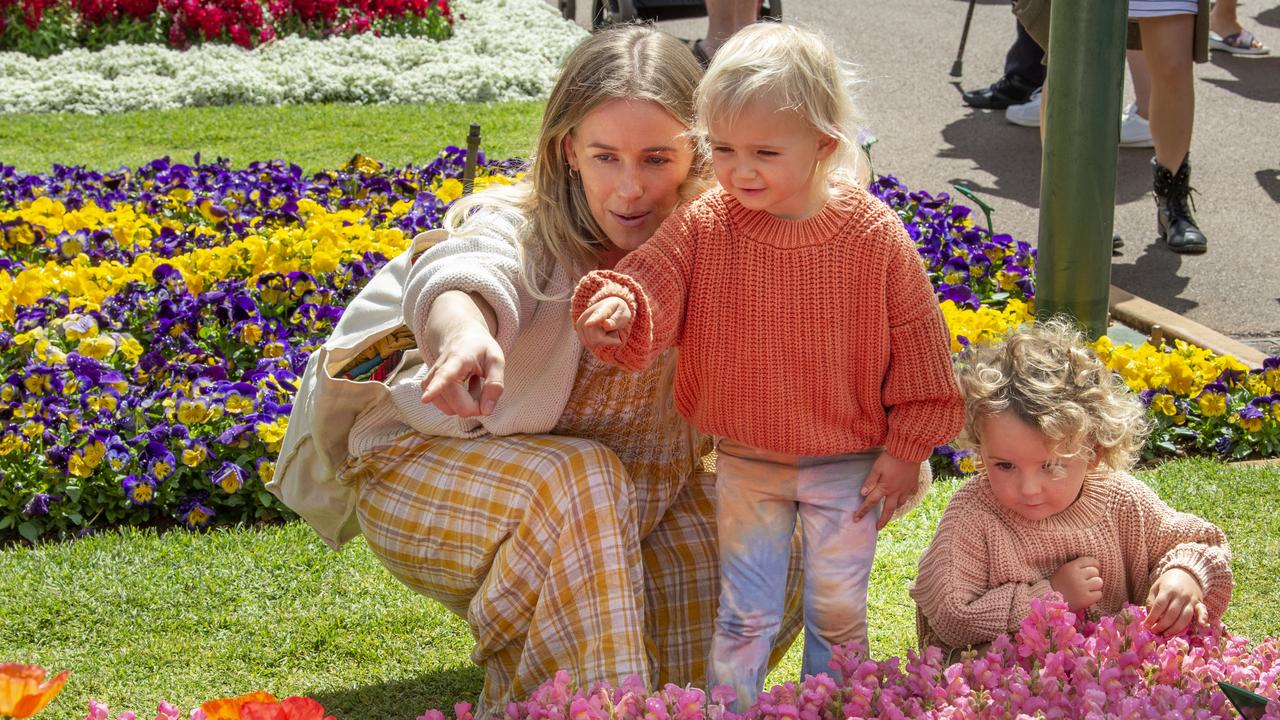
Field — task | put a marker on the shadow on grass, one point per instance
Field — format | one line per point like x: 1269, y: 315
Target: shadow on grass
x: 404, y: 699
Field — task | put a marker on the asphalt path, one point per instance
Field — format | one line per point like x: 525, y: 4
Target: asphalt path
x: 929, y: 139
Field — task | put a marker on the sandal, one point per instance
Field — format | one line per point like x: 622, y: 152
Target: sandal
x: 700, y: 52
x: 1241, y: 43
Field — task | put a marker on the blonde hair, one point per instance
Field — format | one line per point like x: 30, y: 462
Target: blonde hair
x: 799, y: 70
x: 1048, y: 377
x: 627, y: 62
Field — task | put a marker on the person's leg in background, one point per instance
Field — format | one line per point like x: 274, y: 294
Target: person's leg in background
x: 1167, y: 45
x: 1024, y: 71
x: 1135, y: 128
x: 724, y: 18
x: 1229, y: 35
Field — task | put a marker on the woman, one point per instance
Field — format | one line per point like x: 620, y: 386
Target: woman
x: 566, y: 515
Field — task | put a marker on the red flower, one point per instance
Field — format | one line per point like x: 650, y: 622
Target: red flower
x: 267, y: 35
x: 177, y: 37
x: 306, y: 9
x: 210, y: 19
x: 240, y: 35
x: 139, y: 9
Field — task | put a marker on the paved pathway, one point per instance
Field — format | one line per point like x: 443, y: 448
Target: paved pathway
x: 929, y: 139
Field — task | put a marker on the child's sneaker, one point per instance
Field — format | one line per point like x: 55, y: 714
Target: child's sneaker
x: 1135, y: 131
x: 1027, y: 114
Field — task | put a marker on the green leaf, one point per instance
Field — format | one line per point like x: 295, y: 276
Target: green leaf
x: 30, y: 530
x: 1241, y: 450
x: 266, y: 498
x: 6, y: 522
x: 73, y: 493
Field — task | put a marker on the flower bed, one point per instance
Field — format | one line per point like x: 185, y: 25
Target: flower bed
x: 46, y: 27
x: 1055, y: 666
x: 154, y: 322
x: 482, y: 62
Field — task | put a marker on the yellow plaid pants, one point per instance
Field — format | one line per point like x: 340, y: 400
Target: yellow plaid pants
x: 533, y: 539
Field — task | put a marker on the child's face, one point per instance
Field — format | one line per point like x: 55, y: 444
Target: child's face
x: 769, y: 160
x: 1026, y: 477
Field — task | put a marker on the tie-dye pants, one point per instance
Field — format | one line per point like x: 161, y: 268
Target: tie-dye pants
x: 760, y: 495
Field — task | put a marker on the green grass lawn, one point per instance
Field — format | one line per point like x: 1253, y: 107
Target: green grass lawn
x: 187, y: 617
x: 313, y: 136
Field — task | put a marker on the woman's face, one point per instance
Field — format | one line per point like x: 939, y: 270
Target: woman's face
x: 632, y: 157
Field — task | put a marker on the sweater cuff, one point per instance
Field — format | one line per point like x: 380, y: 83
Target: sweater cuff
x: 499, y: 296
x: 599, y: 285
x: 908, y: 449
x: 1210, y: 569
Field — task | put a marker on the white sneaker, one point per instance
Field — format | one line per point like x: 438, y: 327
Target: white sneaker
x: 1135, y: 131
x: 1027, y: 114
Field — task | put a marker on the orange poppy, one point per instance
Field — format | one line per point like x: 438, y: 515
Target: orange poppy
x: 229, y: 708
x: 290, y: 708
x: 23, y: 691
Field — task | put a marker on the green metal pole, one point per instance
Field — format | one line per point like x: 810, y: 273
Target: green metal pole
x: 1078, y: 170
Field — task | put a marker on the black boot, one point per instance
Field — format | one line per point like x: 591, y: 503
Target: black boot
x: 1173, y: 215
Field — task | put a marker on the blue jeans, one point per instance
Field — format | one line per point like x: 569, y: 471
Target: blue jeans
x: 760, y: 495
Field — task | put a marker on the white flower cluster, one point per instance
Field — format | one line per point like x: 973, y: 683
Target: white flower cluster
x: 504, y: 50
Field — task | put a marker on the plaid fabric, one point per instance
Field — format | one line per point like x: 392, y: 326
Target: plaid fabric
x: 591, y: 550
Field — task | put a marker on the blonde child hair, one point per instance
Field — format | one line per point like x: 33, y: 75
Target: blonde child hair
x: 1049, y: 378
x: 799, y: 70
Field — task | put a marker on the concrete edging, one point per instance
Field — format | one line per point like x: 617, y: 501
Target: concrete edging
x: 1144, y: 315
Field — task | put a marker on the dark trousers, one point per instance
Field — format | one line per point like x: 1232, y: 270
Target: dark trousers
x: 1025, y: 59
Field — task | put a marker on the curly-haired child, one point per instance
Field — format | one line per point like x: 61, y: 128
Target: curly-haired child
x: 1053, y: 507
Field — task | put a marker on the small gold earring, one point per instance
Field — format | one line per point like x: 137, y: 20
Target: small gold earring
x: 573, y: 172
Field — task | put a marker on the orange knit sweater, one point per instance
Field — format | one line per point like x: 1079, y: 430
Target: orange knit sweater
x: 809, y: 337
x: 986, y: 562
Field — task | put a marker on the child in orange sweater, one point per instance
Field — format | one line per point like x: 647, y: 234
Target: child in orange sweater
x: 811, y: 344
x: 1053, y: 508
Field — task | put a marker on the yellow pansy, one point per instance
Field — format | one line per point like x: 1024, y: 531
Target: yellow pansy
x: 272, y: 432
x: 450, y: 189
x: 98, y: 348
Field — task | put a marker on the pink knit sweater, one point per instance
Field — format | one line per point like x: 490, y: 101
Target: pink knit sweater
x: 809, y: 337
x: 985, y: 562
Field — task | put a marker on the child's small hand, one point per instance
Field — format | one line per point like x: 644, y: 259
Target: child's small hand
x: 1175, y: 601
x: 892, y: 479
x: 606, y: 323
x: 1079, y: 582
